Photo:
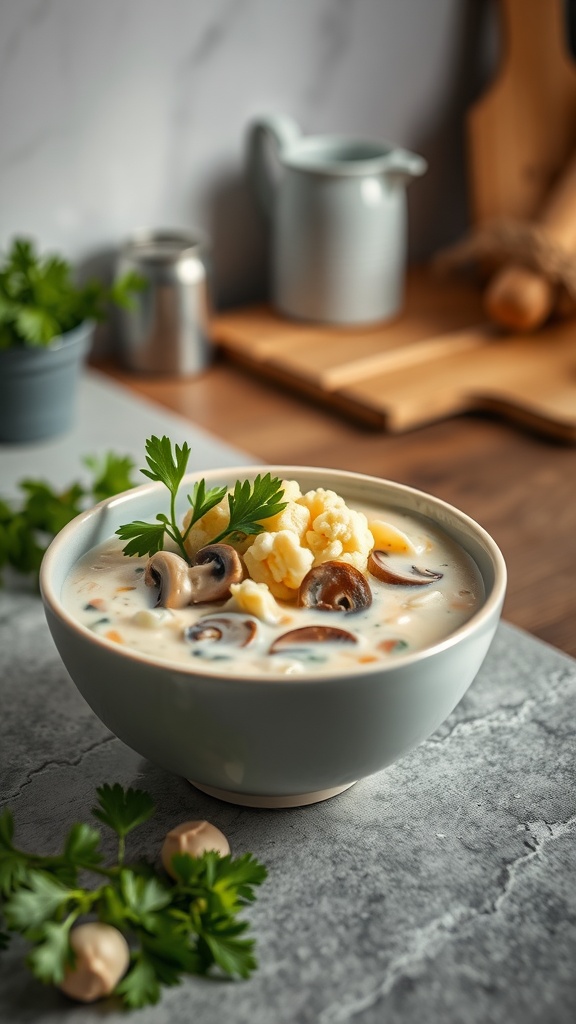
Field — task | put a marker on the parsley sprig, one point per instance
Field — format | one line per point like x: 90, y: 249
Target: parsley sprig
x: 39, y: 299
x: 29, y: 524
x: 189, y: 927
x: 248, y: 503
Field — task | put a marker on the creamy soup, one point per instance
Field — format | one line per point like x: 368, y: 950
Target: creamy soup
x: 435, y: 588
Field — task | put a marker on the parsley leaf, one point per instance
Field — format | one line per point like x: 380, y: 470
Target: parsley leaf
x: 249, y: 503
x: 82, y: 846
x: 49, y: 958
x: 39, y: 299
x: 143, y: 897
x: 187, y: 927
x: 111, y: 474
x: 13, y: 866
x: 232, y: 954
x: 231, y: 880
x: 202, y: 501
x: 27, y: 527
x: 164, y: 465
x: 122, y: 809
x: 34, y: 903
x: 141, y: 985
x: 13, y: 872
x: 6, y: 829
x: 143, y: 538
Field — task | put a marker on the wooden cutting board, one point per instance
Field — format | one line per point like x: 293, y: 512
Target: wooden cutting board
x: 437, y: 360
x: 522, y: 131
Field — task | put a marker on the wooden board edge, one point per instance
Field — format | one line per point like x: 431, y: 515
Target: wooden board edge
x: 524, y: 415
x: 361, y: 414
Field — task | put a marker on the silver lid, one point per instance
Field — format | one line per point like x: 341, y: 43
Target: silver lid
x: 162, y: 247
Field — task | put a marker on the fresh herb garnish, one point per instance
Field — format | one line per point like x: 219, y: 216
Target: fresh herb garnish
x: 248, y: 503
x: 173, y: 929
x: 39, y: 300
x: 27, y: 527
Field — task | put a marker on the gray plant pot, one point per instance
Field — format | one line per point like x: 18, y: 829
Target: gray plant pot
x: 38, y: 386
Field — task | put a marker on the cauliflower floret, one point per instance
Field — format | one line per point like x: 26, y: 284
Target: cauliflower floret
x: 208, y: 526
x: 291, y: 490
x: 390, y: 538
x: 294, y: 517
x: 318, y: 501
x: 279, y: 560
x: 342, y: 534
x: 213, y: 523
x: 256, y: 599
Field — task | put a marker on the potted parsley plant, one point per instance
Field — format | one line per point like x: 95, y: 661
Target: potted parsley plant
x: 46, y: 327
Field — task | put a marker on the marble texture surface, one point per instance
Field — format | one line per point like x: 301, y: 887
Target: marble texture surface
x: 116, y: 116
x: 441, y: 889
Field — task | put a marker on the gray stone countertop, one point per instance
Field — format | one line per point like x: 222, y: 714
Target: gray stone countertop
x: 440, y: 890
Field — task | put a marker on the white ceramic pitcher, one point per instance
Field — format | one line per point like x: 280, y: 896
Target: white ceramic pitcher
x: 338, y: 213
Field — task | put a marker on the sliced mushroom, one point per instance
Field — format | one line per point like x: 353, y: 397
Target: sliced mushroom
x: 234, y: 630
x: 392, y: 569
x: 216, y: 568
x: 306, y: 635
x: 170, y: 573
x: 335, y: 587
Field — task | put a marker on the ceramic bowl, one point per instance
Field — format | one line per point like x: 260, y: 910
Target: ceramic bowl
x: 271, y: 740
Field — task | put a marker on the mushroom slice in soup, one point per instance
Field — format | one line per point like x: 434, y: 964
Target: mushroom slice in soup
x: 234, y: 630
x: 336, y: 587
x: 216, y: 567
x: 169, y: 573
x: 395, y: 570
x: 306, y: 635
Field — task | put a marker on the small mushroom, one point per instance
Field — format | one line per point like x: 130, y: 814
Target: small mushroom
x: 194, y: 838
x: 306, y: 635
x: 389, y: 569
x: 101, y: 958
x: 170, y: 573
x: 216, y: 567
x: 234, y: 630
x: 335, y: 587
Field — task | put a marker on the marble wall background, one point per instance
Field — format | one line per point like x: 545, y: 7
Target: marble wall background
x: 122, y: 114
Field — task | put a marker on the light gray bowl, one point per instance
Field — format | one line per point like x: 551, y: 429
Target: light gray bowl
x: 272, y: 741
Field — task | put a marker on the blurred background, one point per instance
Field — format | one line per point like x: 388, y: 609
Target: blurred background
x: 126, y: 114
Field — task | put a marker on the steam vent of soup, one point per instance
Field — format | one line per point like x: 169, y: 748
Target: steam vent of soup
x: 325, y: 587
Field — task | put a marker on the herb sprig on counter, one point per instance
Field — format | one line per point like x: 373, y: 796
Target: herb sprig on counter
x: 27, y: 526
x: 248, y: 503
x: 186, y: 927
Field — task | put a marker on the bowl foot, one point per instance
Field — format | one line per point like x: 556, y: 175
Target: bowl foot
x: 254, y: 800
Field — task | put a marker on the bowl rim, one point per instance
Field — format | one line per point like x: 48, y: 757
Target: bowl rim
x: 491, y: 605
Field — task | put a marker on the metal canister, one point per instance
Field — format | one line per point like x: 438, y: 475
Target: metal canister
x: 167, y: 328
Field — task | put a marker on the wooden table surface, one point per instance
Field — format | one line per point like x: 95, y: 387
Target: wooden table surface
x: 520, y: 487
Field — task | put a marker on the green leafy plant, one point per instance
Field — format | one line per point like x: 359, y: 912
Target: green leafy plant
x: 28, y: 526
x: 248, y: 503
x: 39, y: 299
x: 188, y: 927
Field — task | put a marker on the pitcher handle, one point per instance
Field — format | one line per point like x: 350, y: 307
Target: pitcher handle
x: 403, y: 166
x: 269, y: 135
